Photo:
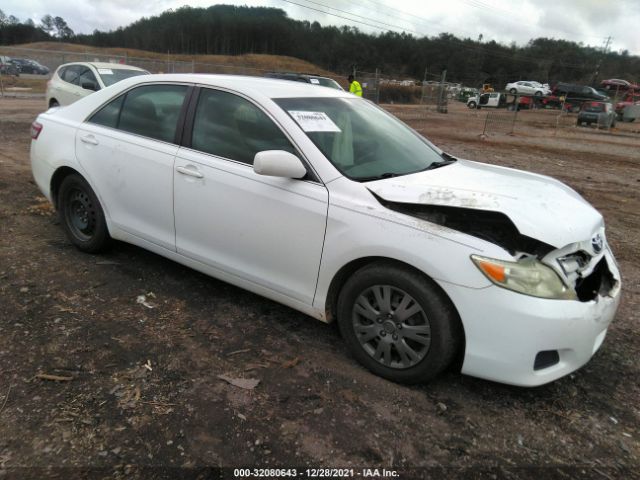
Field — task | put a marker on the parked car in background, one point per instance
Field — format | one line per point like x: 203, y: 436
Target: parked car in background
x: 618, y: 85
x: 527, y: 88
x: 30, y: 66
x: 7, y: 67
x: 320, y: 200
x: 630, y: 98
x: 600, y: 113
x: 306, y: 78
x: 500, y: 100
x: 571, y: 96
x: 73, y: 81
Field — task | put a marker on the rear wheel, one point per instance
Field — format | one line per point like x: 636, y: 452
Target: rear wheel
x: 81, y: 215
x: 471, y: 104
x: 513, y: 91
x: 398, y: 323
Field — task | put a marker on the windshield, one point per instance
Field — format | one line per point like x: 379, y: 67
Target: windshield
x: 359, y: 139
x: 327, y: 82
x: 110, y: 76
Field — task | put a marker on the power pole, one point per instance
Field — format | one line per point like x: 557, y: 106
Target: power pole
x: 604, y: 53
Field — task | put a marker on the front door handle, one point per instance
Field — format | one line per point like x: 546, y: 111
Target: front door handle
x: 90, y: 139
x: 190, y: 170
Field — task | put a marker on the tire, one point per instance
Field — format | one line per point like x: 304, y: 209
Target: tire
x: 513, y: 91
x: 471, y: 105
x: 579, y: 123
x: 81, y: 215
x: 414, y: 342
x: 538, y: 94
x: 53, y: 103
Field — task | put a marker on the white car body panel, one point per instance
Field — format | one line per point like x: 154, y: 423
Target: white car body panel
x: 287, y: 239
x: 536, y: 204
x: 136, y: 174
x: 238, y: 221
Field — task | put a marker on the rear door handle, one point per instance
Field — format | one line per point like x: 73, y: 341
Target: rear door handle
x: 90, y: 139
x: 190, y: 170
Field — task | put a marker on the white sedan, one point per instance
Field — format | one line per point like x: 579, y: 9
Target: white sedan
x: 328, y: 204
x: 528, y: 88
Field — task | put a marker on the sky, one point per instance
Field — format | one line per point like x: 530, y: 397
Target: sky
x: 590, y: 22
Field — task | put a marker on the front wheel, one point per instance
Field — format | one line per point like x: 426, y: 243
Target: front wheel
x: 513, y: 91
x: 398, y: 323
x: 471, y: 105
x: 81, y: 215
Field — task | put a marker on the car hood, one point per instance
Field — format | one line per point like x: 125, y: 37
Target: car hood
x: 540, y: 207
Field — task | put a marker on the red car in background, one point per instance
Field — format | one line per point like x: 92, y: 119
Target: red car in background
x: 618, y: 85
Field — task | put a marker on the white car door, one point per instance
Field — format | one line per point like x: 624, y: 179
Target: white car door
x: 127, y: 150
x: 265, y: 230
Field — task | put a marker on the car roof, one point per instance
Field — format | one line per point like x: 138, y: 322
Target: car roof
x: 251, y: 86
x: 113, y: 66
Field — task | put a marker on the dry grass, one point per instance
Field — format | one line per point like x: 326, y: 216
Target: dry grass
x: 255, y: 61
x: 35, y: 85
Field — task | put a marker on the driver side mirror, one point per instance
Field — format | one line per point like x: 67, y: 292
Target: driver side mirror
x: 278, y: 163
x: 90, y: 86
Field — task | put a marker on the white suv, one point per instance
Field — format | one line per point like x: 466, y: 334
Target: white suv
x: 73, y: 81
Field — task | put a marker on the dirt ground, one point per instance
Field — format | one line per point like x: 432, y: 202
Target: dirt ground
x: 141, y: 397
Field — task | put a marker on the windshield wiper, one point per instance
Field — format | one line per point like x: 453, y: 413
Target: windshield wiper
x: 380, y: 177
x: 448, y: 156
x: 448, y: 160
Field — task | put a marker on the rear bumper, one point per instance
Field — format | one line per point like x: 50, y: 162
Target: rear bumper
x: 505, y: 331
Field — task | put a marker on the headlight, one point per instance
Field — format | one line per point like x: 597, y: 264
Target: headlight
x: 528, y: 276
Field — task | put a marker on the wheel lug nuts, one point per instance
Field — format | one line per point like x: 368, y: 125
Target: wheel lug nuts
x: 383, y: 333
x: 395, y: 337
x: 379, y: 320
x: 399, y: 326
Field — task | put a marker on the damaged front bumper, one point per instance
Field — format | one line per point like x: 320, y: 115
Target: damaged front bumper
x: 529, y: 341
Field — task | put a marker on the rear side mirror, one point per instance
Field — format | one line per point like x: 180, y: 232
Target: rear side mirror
x: 90, y: 86
x: 278, y: 163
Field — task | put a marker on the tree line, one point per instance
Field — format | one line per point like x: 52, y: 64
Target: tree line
x: 236, y: 30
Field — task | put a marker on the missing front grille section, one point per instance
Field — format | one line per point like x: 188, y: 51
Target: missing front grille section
x: 495, y: 227
x: 600, y: 281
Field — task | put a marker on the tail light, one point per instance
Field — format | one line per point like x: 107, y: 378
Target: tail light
x: 36, y: 128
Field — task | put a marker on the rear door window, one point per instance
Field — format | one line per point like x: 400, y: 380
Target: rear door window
x: 72, y: 74
x: 150, y: 111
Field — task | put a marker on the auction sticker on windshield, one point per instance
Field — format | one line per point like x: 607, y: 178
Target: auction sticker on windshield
x: 105, y: 71
x: 314, y: 121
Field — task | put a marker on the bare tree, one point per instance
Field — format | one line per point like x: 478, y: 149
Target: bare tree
x: 62, y: 29
x: 46, y: 24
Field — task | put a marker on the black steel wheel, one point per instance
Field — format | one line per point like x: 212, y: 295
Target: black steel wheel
x: 398, y: 323
x: 81, y: 215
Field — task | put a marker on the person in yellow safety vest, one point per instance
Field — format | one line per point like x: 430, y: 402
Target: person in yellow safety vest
x: 354, y: 86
